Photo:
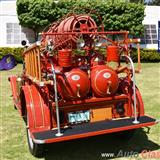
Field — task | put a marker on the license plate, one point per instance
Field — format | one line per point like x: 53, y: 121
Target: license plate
x: 78, y: 117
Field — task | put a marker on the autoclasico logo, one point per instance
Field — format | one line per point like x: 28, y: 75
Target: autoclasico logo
x: 148, y: 154
x: 145, y: 154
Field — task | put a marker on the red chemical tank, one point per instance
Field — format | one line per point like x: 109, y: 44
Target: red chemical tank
x: 112, y: 54
x: 104, y: 81
x: 74, y: 84
x: 65, y: 57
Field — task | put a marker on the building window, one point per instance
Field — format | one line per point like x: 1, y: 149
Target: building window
x: 16, y: 33
x: 150, y: 35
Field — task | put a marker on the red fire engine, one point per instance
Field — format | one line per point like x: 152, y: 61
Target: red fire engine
x: 78, y: 81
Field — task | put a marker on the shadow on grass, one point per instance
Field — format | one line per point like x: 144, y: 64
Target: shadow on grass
x: 91, y: 148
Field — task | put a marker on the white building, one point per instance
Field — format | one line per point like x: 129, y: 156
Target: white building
x: 11, y: 33
x: 150, y: 39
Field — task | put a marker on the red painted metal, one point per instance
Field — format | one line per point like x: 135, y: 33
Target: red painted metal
x: 37, y: 111
x: 94, y: 33
x: 113, y: 54
x: 104, y: 81
x: 74, y: 84
x: 75, y: 23
x: 65, y: 58
x: 16, y: 96
x: 140, y: 104
x: 125, y: 88
x: 92, y: 100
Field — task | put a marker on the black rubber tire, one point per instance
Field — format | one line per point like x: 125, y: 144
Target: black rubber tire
x: 15, y: 107
x: 35, y: 149
x: 125, y: 135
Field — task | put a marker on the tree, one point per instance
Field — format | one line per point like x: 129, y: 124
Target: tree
x: 36, y: 14
x: 137, y: 1
x: 115, y: 16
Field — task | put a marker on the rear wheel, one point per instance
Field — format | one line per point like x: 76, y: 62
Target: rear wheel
x: 36, y: 150
x: 15, y: 107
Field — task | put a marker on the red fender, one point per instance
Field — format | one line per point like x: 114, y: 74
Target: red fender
x: 38, y: 112
x: 140, y: 104
x: 16, y: 98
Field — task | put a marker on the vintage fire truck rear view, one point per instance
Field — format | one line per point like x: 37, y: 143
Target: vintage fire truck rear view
x: 78, y: 81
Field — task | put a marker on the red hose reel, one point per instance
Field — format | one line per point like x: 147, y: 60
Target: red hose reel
x: 75, y: 23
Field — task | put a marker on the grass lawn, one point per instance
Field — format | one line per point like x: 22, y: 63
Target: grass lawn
x: 13, y: 135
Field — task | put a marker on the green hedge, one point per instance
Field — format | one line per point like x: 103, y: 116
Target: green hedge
x: 17, y: 52
x: 115, y: 16
x: 146, y: 54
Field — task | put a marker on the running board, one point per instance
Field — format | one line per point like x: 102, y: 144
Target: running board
x: 92, y: 129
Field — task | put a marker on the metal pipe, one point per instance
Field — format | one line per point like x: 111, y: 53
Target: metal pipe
x: 134, y: 90
x: 56, y: 100
x: 139, y: 59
